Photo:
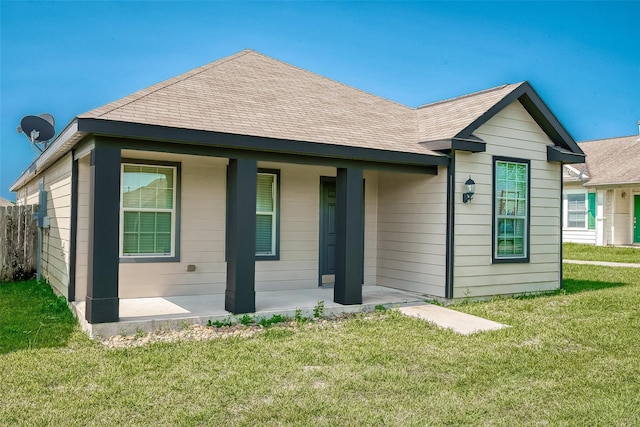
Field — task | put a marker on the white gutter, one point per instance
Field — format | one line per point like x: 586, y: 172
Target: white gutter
x: 53, y: 152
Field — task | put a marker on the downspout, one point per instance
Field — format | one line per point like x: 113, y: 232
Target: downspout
x: 561, y: 220
x: 39, y: 216
x: 449, y: 252
x: 73, y: 233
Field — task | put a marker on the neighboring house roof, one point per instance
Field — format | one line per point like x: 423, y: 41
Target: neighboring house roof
x: 5, y: 202
x: 243, y: 100
x: 611, y: 161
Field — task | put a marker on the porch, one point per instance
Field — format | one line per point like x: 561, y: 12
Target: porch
x: 157, y: 313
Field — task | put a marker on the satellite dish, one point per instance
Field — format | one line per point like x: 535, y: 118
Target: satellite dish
x: 39, y: 129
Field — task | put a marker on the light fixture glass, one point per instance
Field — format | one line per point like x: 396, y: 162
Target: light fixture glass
x: 470, y: 185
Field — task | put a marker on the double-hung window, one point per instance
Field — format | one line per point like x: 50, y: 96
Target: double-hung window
x: 148, y: 212
x: 580, y: 210
x: 267, y: 214
x: 511, y: 210
x: 576, y: 210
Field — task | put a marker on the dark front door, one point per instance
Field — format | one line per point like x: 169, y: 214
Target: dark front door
x: 636, y: 219
x: 327, y: 229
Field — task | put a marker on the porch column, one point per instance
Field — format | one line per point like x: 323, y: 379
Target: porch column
x: 349, y: 237
x: 240, y: 296
x: 103, y: 251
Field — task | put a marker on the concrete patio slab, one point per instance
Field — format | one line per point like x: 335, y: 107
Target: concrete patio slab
x: 173, y: 313
x: 462, y: 323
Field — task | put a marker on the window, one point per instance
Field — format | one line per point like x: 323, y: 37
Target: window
x: 148, y: 212
x: 266, y: 214
x: 576, y: 211
x: 511, y: 210
x: 580, y: 210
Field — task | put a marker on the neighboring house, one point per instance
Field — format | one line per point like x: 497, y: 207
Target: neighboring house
x: 601, y: 197
x: 5, y: 202
x: 249, y: 174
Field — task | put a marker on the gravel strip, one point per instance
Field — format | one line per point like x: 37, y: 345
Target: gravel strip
x: 205, y: 333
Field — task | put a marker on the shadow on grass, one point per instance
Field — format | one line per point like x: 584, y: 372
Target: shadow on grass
x: 573, y: 286
x: 32, y: 316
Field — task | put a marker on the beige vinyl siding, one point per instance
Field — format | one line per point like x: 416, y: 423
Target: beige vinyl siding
x: 82, y: 232
x: 510, y: 133
x: 299, y: 261
x: 412, y: 232
x: 56, y: 179
x: 202, y: 234
x: 618, y: 212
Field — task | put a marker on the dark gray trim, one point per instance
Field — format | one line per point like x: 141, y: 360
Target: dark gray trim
x: 471, y: 144
x: 73, y: 230
x: 253, y: 143
x: 349, y: 236
x: 450, y: 232
x: 176, y: 237
x: 232, y: 153
x: 276, y: 256
x: 561, y: 222
x: 558, y: 154
x: 102, y: 304
x: 240, y: 295
x: 522, y: 260
x: 540, y: 112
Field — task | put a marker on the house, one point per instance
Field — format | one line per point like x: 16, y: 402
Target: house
x: 5, y: 202
x: 601, y: 196
x: 249, y: 174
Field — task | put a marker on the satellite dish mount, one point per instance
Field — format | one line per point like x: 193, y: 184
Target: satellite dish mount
x: 38, y: 129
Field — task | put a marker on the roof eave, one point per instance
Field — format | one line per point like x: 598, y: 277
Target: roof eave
x: 132, y: 130
x: 472, y: 144
x: 58, y: 147
x: 534, y: 105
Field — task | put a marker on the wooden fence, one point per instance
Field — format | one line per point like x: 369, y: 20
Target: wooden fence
x: 18, y: 243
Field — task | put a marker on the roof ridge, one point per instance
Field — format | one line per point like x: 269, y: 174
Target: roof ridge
x: 468, y: 95
x: 142, y: 93
x: 333, y: 80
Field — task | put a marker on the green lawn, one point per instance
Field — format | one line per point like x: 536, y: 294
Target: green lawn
x: 600, y: 253
x: 568, y: 359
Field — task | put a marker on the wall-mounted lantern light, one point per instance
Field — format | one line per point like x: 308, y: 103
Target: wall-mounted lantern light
x: 470, y: 185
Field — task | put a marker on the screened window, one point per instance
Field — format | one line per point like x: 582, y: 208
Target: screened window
x: 576, y: 211
x: 266, y: 213
x: 148, y: 210
x: 511, y: 210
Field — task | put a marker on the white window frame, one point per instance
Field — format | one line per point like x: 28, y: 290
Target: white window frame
x: 172, y: 256
x: 565, y: 209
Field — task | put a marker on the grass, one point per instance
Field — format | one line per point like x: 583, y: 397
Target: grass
x: 600, y: 253
x: 32, y: 317
x: 567, y: 359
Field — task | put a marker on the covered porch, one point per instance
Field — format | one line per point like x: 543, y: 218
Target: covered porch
x: 175, y: 312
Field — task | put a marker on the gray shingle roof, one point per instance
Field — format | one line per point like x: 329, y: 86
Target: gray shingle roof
x: 612, y: 161
x: 251, y: 94
x: 446, y: 119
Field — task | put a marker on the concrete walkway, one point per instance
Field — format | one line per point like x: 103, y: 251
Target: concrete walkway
x: 603, y: 263
x: 462, y: 323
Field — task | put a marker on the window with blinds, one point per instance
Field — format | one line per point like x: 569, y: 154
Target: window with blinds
x: 148, y: 203
x: 266, y: 214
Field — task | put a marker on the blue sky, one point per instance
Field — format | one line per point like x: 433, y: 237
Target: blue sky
x: 65, y: 58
